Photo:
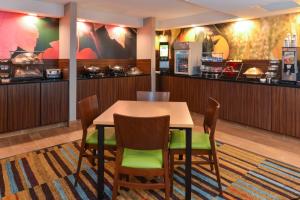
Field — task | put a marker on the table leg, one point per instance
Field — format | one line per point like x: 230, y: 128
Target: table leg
x: 100, y: 182
x: 188, y: 164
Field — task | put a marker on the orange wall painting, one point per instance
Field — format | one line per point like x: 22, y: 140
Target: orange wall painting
x: 257, y: 39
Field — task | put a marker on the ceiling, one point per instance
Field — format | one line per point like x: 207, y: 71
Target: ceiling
x: 174, y: 13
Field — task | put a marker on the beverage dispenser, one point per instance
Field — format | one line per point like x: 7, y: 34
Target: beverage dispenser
x: 290, y: 64
x: 164, y: 57
x: 187, y: 57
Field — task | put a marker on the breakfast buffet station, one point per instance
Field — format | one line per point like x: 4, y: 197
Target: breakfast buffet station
x: 255, y: 88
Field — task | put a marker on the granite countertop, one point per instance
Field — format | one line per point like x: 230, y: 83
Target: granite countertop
x: 13, y: 82
x: 108, y: 76
x: 247, y: 81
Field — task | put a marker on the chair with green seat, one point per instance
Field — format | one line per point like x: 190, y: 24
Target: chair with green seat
x: 202, y: 143
x: 89, y: 110
x: 142, y: 150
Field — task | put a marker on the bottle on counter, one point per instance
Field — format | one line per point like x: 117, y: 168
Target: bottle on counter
x: 294, y: 40
x: 288, y: 40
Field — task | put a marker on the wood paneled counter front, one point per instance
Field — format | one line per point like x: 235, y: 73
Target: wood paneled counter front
x: 31, y: 104
x: 269, y: 107
x: 111, y: 89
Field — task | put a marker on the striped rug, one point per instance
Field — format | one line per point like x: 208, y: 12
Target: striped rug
x: 49, y: 174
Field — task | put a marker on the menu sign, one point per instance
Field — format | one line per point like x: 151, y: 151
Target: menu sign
x: 164, y: 50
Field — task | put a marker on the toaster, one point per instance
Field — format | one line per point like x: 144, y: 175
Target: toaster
x: 53, y: 73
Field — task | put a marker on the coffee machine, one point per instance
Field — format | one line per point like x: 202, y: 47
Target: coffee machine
x: 290, y: 64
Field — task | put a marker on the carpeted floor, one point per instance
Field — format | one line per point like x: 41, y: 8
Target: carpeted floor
x: 49, y: 174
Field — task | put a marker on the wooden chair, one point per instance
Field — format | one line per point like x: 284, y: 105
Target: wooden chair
x: 142, y: 150
x: 202, y: 143
x: 152, y: 96
x: 89, y: 110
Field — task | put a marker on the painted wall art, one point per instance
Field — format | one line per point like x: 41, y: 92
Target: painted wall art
x: 96, y: 41
x: 28, y: 33
x: 258, y: 39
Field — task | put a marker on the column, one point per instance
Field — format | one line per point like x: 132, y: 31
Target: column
x: 67, y: 50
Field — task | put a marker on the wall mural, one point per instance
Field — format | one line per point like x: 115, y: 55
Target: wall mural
x: 105, y: 41
x: 260, y: 39
x: 28, y: 33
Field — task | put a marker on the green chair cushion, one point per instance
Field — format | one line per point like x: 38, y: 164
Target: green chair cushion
x: 142, y: 159
x: 109, y: 137
x: 199, y: 140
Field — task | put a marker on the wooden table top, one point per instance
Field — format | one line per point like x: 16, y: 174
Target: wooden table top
x: 180, y: 116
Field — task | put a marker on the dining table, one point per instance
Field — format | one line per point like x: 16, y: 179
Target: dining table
x: 180, y: 118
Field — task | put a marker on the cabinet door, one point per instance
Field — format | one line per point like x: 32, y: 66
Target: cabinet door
x: 23, y: 106
x: 126, y: 88
x: 284, y: 112
x: 232, y: 98
x: 258, y: 106
x: 297, y: 134
x: 162, y: 83
x: 86, y: 88
x: 178, y: 91
x: 3, y: 109
x: 107, y: 93
x: 143, y: 83
x: 54, y: 102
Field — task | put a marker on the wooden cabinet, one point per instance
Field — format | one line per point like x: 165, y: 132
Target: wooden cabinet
x: 178, y: 88
x: 285, y: 110
x: 107, y: 93
x: 3, y: 108
x: 86, y: 88
x: 109, y: 90
x: 143, y: 83
x: 162, y: 83
x: 24, y: 106
x: 54, y: 102
x: 297, y: 134
x: 233, y: 100
x: 126, y: 88
x: 271, y: 108
x: 258, y: 108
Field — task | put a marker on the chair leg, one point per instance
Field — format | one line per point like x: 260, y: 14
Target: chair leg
x: 216, y: 162
x: 93, y: 159
x: 79, y: 166
x: 180, y: 157
x: 167, y: 184
x: 171, y: 171
x: 211, y: 162
x: 115, y: 184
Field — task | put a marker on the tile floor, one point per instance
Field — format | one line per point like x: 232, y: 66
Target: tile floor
x: 272, y: 145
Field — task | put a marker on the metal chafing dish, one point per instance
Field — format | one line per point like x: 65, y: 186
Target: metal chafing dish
x: 253, y: 72
x: 134, y: 71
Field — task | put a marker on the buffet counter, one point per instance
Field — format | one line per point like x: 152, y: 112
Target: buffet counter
x: 109, y: 89
x: 29, y: 104
x: 272, y: 107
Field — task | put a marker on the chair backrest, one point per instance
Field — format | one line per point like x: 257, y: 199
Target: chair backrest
x: 211, y: 116
x: 152, y: 96
x: 88, y: 110
x: 142, y: 133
